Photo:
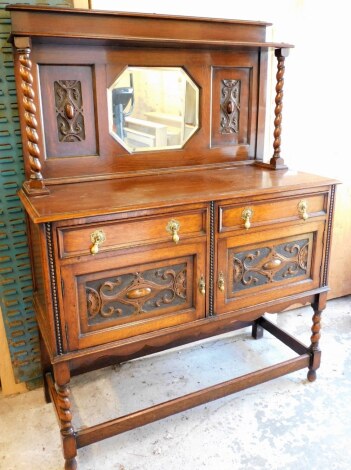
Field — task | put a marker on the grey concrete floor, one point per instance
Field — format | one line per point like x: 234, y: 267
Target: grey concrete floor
x: 287, y: 423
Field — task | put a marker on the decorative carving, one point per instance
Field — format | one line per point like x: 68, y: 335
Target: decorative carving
x: 212, y: 258
x: 69, y: 110
x: 270, y: 264
x: 328, y: 237
x: 136, y: 293
x: 230, y: 106
x: 53, y: 283
x: 36, y: 183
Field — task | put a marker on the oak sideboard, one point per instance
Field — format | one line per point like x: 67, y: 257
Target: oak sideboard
x: 153, y: 220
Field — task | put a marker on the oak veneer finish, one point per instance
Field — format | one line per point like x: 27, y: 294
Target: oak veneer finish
x: 142, y: 288
x: 108, y: 197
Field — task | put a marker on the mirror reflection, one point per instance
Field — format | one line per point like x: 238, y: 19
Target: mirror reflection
x: 153, y: 108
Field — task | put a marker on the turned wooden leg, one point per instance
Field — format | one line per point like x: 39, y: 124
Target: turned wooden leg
x: 318, y: 307
x: 257, y: 330
x: 68, y: 438
x: 45, y: 366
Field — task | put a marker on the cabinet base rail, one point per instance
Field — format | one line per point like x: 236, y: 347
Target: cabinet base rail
x: 148, y: 415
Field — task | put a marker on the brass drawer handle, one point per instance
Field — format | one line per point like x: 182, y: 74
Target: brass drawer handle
x: 221, y: 284
x: 247, y: 215
x: 97, y: 238
x: 173, y: 227
x: 302, y: 209
x: 202, y: 286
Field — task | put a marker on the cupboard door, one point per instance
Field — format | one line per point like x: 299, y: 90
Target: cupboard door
x: 259, y: 267
x: 133, y: 293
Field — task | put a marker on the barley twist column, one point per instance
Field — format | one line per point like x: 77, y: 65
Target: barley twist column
x: 276, y: 161
x: 318, y: 306
x: 67, y: 431
x: 28, y: 117
x: 316, y: 327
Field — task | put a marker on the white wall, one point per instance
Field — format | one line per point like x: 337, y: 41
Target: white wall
x: 318, y: 95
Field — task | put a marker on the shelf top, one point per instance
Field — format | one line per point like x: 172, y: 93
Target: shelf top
x: 107, y: 197
x: 77, y: 26
x: 93, y: 12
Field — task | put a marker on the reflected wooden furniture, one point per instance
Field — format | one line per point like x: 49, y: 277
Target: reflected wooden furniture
x: 136, y: 253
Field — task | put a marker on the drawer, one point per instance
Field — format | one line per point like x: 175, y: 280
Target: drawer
x: 77, y: 240
x: 232, y: 217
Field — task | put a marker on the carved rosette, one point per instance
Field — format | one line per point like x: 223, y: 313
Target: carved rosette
x: 230, y: 106
x: 69, y: 110
x: 270, y: 264
x: 139, y: 292
x: 30, y: 111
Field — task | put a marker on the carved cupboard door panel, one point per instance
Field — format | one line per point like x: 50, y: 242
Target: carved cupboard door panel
x: 258, y: 267
x: 130, y: 293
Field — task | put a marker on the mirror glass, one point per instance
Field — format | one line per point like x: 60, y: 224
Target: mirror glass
x: 153, y: 108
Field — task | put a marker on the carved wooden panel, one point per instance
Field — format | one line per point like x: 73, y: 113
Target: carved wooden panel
x: 136, y: 292
x: 262, y: 265
x: 67, y: 94
x: 230, y: 106
x: 269, y: 264
x: 69, y: 110
x: 131, y: 292
x: 231, y: 92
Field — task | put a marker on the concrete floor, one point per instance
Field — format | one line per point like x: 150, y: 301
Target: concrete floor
x: 287, y: 423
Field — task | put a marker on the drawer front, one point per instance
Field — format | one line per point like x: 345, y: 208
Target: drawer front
x: 134, y: 293
x: 232, y: 217
x: 258, y: 268
x: 78, y: 240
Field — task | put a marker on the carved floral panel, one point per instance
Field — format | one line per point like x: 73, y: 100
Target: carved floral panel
x: 68, y: 102
x: 132, y: 294
x: 69, y: 110
x: 269, y: 264
x: 233, y: 109
x: 230, y: 106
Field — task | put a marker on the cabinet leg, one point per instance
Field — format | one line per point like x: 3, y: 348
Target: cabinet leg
x: 70, y: 464
x: 68, y: 438
x: 45, y: 366
x: 318, y: 307
x: 257, y: 330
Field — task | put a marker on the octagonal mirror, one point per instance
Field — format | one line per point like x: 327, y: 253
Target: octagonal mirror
x: 153, y: 108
